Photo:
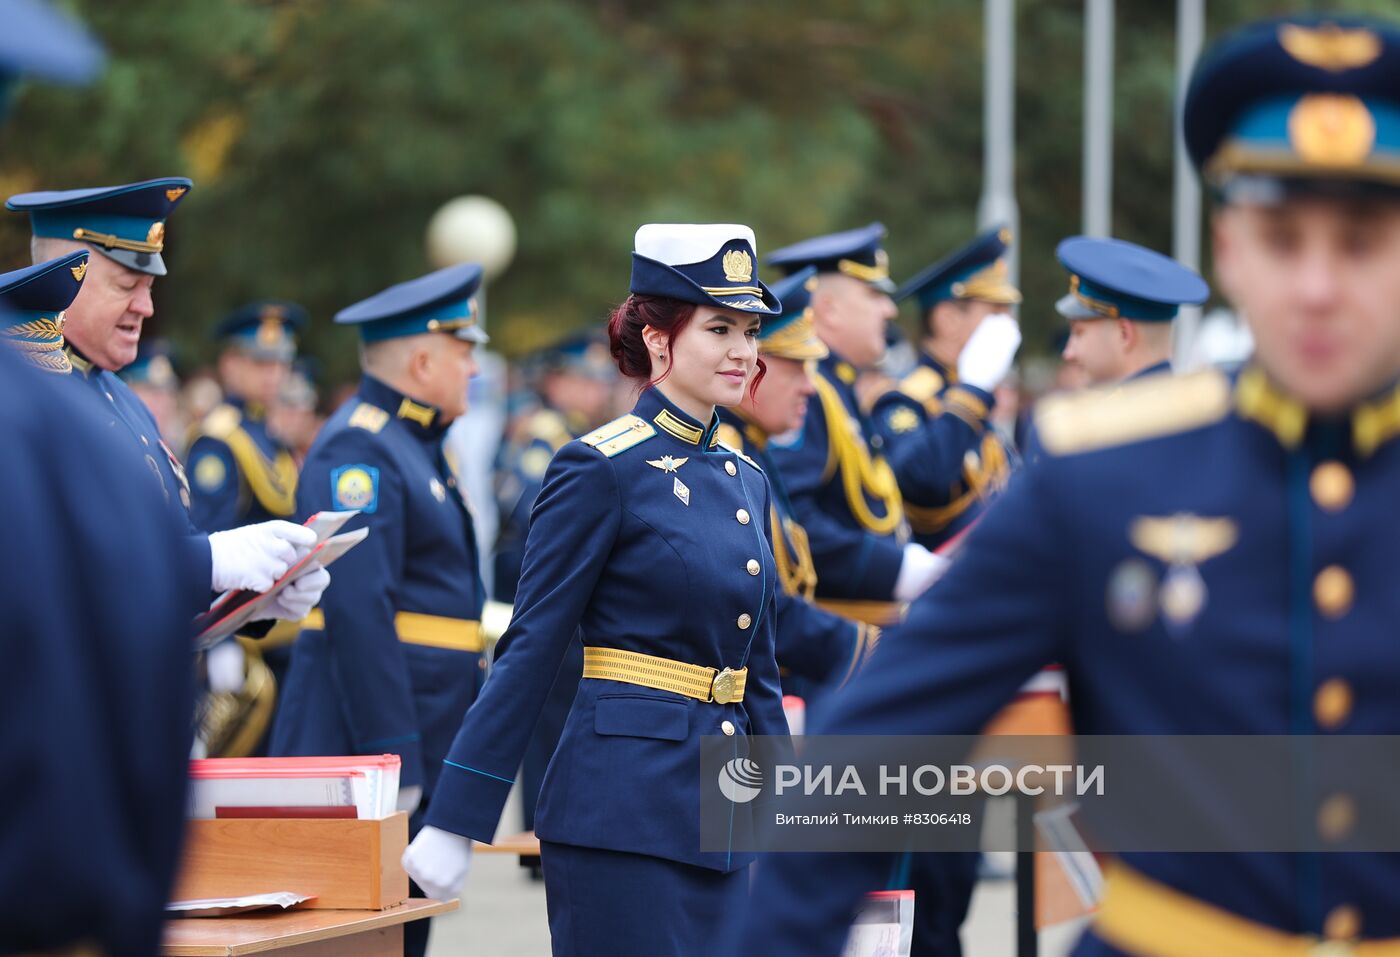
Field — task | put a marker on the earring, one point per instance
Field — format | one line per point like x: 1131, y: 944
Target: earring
x: 661, y: 356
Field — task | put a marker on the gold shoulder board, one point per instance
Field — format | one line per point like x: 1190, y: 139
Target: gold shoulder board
x: 1134, y: 412
x: 619, y: 435
x: 221, y: 423
x: 371, y: 418
x: 922, y: 384
x: 730, y: 448
x: 729, y: 437
x: 548, y: 426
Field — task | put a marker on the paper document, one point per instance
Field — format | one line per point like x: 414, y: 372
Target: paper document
x: 234, y: 609
x: 226, y: 906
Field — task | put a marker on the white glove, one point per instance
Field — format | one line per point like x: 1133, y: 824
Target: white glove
x: 293, y: 602
x: 225, y: 667
x: 986, y: 359
x: 255, y: 556
x: 409, y: 798
x: 438, y: 862
x: 920, y: 569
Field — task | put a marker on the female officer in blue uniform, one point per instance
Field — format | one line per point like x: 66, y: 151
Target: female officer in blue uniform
x: 647, y: 540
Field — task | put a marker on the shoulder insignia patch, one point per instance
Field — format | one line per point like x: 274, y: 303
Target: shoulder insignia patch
x: 902, y: 419
x: 210, y: 472
x: 922, y: 384
x: 735, y: 449
x: 619, y: 435
x: 371, y: 418
x: 355, y: 487
x: 1134, y: 412
x: 220, y: 423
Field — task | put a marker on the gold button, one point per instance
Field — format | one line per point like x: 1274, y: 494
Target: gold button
x: 145, y: 441
x: 744, y: 620
x: 109, y: 397
x: 1336, y: 816
x: 1342, y: 923
x: 729, y: 467
x: 1332, y: 703
x: 1333, y: 591
x: 1332, y: 486
x: 753, y: 566
x: 727, y: 727
x: 742, y: 516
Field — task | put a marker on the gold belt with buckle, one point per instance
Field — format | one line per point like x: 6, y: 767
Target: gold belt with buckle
x: 1144, y: 917
x: 721, y: 686
x: 416, y: 628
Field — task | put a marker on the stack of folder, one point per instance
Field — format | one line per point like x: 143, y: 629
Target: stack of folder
x: 365, y: 787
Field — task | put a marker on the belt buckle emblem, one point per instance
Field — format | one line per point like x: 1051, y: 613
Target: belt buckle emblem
x: 724, y: 686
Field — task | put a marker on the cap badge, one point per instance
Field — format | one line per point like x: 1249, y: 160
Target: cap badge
x: 1331, y: 129
x: 738, y: 266
x: 1329, y: 47
x: 175, y: 193
x: 79, y: 271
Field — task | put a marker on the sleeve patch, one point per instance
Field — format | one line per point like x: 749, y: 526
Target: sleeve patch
x: 210, y: 472
x: 355, y: 487
x: 902, y: 419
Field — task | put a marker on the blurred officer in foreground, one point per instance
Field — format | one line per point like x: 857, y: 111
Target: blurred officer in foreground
x: 1234, y: 541
x: 96, y: 712
x: 840, y: 486
x: 392, y: 659
x: 1121, y: 302
x: 935, y: 425
x: 816, y: 650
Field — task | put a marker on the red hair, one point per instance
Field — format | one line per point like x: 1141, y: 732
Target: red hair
x: 629, y: 349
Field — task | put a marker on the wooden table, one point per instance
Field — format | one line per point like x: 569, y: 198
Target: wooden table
x: 524, y: 845
x: 300, y: 933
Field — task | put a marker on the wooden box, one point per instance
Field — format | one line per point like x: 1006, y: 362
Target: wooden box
x: 346, y: 864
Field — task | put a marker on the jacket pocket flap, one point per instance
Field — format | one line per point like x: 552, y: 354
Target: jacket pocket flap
x: 640, y: 716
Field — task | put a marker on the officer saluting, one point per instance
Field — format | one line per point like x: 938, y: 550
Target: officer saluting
x: 1255, y: 515
x: 392, y: 658
x: 241, y: 473
x: 1121, y: 302
x: 841, y: 488
x: 935, y: 425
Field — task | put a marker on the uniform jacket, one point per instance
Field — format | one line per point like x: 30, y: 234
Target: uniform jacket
x: 642, y: 540
x: 949, y: 461
x: 1090, y: 558
x: 843, y: 493
x: 812, y: 644
x: 386, y: 669
x: 241, y: 474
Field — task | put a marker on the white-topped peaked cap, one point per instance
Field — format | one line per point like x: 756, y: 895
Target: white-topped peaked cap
x: 709, y: 264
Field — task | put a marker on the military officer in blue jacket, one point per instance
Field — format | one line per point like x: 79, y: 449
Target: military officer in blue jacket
x: 648, y: 539
x: 1206, y: 554
x: 391, y: 659
x: 840, y: 486
x: 1121, y: 302
x: 946, y: 457
x: 240, y: 472
x: 816, y: 650
x: 124, y: 229
x: 95, y: 715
